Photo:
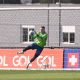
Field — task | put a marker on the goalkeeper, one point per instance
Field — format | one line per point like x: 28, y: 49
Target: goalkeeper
x: 39, y: 43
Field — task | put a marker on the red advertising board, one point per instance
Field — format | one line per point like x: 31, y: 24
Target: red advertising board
x: 49, y: 58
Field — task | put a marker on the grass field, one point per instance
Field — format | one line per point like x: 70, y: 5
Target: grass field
x: 39, y: 75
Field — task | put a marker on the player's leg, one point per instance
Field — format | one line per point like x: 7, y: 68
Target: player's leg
x: 34, y: 57
x: 26, y: 48
x: 38, y: 52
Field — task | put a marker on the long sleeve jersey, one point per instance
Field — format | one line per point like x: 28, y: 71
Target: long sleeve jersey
x: 40, y: 39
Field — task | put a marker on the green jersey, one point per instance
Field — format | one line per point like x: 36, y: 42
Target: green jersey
x: 40, y: 39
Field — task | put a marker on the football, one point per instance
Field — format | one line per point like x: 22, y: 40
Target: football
x: 31, y: 32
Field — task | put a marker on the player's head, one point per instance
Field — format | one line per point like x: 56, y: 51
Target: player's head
x: 42, y: 29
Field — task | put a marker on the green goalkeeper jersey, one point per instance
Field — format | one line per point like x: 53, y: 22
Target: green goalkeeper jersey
x: 40, y: 39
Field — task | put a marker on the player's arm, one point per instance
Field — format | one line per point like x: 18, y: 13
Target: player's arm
x: 43, y: 37
x: 34, y: 36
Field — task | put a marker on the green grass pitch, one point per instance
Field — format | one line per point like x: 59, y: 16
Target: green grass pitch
x: 39, y: 75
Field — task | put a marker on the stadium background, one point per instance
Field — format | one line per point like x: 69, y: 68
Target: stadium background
x: 62, y: 26
x: 60, y: 60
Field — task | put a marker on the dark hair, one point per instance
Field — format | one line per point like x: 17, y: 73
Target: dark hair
x: 42, y: 27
